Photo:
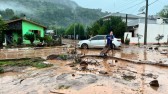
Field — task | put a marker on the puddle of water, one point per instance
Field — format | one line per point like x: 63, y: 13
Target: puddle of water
x: 130, y: 52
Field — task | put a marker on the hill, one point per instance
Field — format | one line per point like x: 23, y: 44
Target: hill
x: 52, y: 12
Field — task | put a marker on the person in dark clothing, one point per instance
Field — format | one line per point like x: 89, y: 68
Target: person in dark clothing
x: 110, y: 38
x: 109, y: 44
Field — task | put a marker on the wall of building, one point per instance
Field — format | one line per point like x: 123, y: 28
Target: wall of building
x: 153, y: 31
x: 27, y: 27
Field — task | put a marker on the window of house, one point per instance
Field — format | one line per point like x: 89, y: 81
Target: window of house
x: 36, y: 32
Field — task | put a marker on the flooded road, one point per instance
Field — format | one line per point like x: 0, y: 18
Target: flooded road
x: 102, y: 76
x: 133, y: 53
x: 60, y: 79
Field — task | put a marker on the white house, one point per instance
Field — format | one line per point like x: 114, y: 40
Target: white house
x: 155, y: 27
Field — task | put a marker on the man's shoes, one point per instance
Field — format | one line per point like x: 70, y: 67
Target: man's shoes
x: 105, y: 54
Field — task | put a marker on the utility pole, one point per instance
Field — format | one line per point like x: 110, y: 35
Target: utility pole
x: 74, y: 26
x: 75, y: 32
x: 126, y: 22
x: 146, y: 23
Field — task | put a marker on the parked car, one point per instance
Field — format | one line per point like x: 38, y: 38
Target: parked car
x: 98, y: 41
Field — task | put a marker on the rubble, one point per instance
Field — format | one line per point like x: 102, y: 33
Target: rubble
x: 103, y: 72
x: 154, y: 83
x: 129, y: 77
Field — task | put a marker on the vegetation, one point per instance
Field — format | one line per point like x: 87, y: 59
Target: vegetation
x: 30, y: 37
x: 63, y: 57
x: 164, y: 12
x: 59, y: 13
x: 104, y: 27
x: 1, y: 70
x: 159, y: 37
x: 127, y: 41
x: 49, y: 40
x: 7, y: 13
x: 2, y: 27
x: 36, y: 62
x: 79, y: 30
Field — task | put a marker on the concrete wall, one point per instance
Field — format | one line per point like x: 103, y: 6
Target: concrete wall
x: 153, y: 31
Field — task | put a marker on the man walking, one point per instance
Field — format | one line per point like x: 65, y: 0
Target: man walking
x: 109, y: 44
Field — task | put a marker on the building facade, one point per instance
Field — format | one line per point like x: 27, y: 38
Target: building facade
x: 19, y: 27
x: 156, y: 27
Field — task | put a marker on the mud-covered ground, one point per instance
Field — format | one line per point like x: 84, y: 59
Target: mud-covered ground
x: 101, y: 76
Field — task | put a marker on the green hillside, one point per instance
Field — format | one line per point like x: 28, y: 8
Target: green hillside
x: 51, y: 12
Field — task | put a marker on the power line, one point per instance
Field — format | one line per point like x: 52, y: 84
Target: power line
x: 153, y: 2
x: 126, y: 3
x: 144, y: 7
x: 132, y: 6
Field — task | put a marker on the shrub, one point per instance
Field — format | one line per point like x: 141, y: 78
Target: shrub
x: 127, y: 41
x: 1, y: 70
x: 48, y: 39
x: 63, y: 57
x: 30, y: 37
x: 41, y: 39
x: 159, y: 37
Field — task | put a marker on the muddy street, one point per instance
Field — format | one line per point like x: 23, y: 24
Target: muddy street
x: 97, y: 76
x: 121, y: 78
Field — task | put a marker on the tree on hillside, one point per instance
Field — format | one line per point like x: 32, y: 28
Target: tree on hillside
x: 53, y: 12
x: 164, y: 12
x: 79, y: 30
x: 103, y: 27
x: 3, y: 27
x: 7, y: 13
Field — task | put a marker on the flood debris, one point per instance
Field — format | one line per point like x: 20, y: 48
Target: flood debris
x: 72, y: 65
x: 116, y: 61
x: 154, y: 83
x: 156, y: 48
x: 83, y: 65
x: 150, y: 75
x: 59, y: 57
x: 52, y: 57
x: 56, y: 92
x: 92, y: 62
x: 63, y: 87
x: 128, y: 77
x: 163, y: 52
x: 103, y: 72
x: 21, y: 80
x: 150, y: 48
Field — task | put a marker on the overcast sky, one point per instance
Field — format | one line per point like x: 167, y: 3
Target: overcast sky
x: 125, y: 6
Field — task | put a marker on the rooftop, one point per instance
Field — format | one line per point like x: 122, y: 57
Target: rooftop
x: 123, y: 15
x: 22, y: 19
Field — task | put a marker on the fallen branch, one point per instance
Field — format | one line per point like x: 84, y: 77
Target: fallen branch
x: 56, y: 92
